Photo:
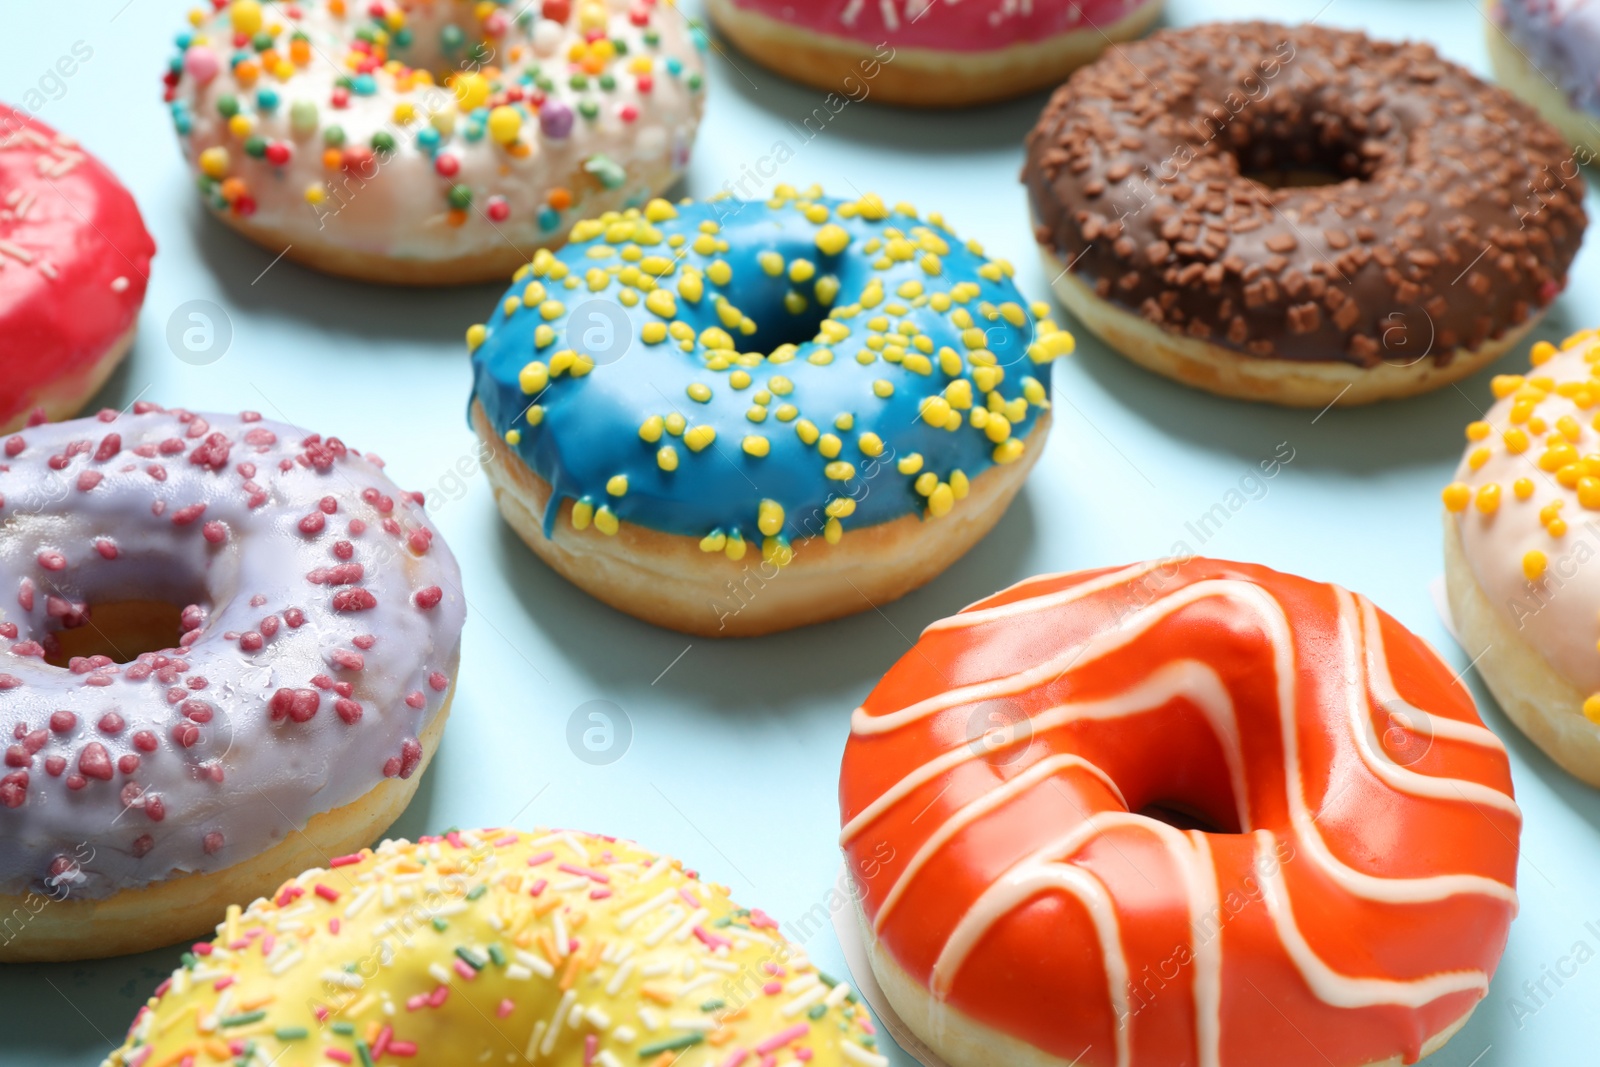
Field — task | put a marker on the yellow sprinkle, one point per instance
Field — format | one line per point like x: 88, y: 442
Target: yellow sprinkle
x: 533, y: 377
x: 1533, y: 565
x: 667, y: 458
x: 802, y: 270
x: 513, y: 437
x: 605, y: 521
x: 840, y: 507
x: 910, y: 464
x: 1477, y: 457
x: 771, y: 262
x: 1541, y: 352
x: 1488, y: 498
x: 756, y: 445
x: 959, y: 485
x: 1523, y: 487
x: 661, y: 302
x: 833, y: 239
x: 935, y: 410
x: 699, y: 391
x: 830, y: 445
x: 941, y: 500
x: 771, y: 517
x: 719, y: 273
x: 926, y: 483
x: 807, y: 431
x: 1008, y: 452
x: 826, y: 289
x: 582, y: 515
x: 653, y: 333
x: 735, y: 548
x: 551, y: 309
x: 535, y: 414
x: 650, y: 429
x: 997, y: 428
x: 698, y: 437
x: 1477, y: 431
x: 659, y: 210
x: 833, y: 531
x: 715, y: 541
x: 476, y: 333
x: 840, y: 471
x: 617, y: 485
x: 870, y: 444
x: 821, y: 357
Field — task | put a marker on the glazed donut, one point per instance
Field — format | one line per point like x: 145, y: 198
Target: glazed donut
x: 559, y: 948
x: 1185, y: 812
x: 922, y: 53
x: 892, y: 375
x: 74, y: 260
x: 228, y: 650
x: 1171, y: 185
x: 1517, y: 540
x: 1545, y: 53
x: 425, y: 142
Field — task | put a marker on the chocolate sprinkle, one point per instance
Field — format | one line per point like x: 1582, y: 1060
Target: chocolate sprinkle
x: 1453, y: 213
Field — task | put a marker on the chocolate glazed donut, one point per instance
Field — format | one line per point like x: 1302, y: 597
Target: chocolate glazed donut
x: 1299, y: 214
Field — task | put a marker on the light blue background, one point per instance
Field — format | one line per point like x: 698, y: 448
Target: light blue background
x: 735, y: 746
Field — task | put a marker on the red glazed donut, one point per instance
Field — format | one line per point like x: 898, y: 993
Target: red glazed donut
x: 74, y: 258
x: 928, y: 53
x: 1031, y: 894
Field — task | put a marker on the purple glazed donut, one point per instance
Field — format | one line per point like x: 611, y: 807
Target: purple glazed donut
x: 226, y: 649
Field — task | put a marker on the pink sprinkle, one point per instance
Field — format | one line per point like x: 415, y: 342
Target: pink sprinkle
x: 267, y: 944
x: 541, y: 857
x: 772, y: 989
x: 338, y: 1054
x: 761, y: 920
x: 783, y: 1037
x: 223, y: 983
x: 417, y: 1002
x: 538, y: 887
x: 333, y: 925
x: 866, y: 1025
x: 52, y: 561
x: 465, y: 971
x: 381, y: 1045
x: 599, y: 894
x: 203, y: 948
x: 683, y: 891
x: 736, y: 1057
x: 593, y: 876
x: 508, y: 839
x: 803, y: 1054
x: 403, y: 1048
x: 591, y: 1045
x: 506, y: 1007
x: 326, y: 892
x: 187, y: 514
x: 345, y: 861
x: 710, y: 940
x: 439, y: 996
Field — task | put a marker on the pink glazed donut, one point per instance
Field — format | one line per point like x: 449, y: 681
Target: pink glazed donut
x: 226, y: 651
x: 928, y: 53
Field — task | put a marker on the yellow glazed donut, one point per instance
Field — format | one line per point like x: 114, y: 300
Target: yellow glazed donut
x: 432, y: 141
x: 1520, y: 541
x: 557, y: 948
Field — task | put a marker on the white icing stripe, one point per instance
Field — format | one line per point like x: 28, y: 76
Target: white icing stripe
x: 1383, y: 687
x: 1333, y: 988
x: 1396, y: 777
x: 998, y: 797
x: 1207, y: 953
x: 1044, y: 601
x: 1132, y: 626
x: 1161, y: 686
x: 1021, y: 885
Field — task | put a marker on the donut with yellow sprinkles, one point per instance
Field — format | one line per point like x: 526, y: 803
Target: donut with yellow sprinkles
x: 734, y: 417
x: 561, y: 949
x: 1520, y: 537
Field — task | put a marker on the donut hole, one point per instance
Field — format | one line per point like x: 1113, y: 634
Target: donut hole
x: 1187, y: 817
x: 776, y: 325
x: 1323, y: 147
x: 121, y: 630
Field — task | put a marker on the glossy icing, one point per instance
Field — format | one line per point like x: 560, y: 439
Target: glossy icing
x: 434, y: 129
x: 1521, y: 497
x: 888, y: 365
x: 74, y: 260
x: 1351, y: 901
x: 947, y: 25
x: 1561, y: 39
x: 493, y: 946
x: 323, y: 614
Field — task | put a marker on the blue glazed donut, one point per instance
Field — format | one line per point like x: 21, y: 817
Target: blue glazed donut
x: 760, y: 375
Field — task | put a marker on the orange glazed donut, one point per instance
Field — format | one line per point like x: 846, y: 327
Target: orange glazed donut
x: 1186, y: 812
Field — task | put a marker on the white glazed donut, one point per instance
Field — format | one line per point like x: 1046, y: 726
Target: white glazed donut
x: 226, y: 649
x: 432, y: 141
